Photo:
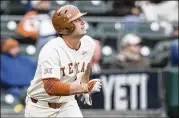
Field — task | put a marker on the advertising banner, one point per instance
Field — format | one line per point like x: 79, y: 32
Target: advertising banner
x: 128, y: 91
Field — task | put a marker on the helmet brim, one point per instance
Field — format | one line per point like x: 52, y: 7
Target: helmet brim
x: 78, y: 16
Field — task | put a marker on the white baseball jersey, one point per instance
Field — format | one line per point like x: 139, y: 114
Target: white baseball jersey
x: 57, y: 60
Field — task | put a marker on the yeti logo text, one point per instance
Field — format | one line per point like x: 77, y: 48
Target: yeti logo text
x: 122, y: 84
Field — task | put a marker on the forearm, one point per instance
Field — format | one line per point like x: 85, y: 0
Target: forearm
x: 85, y: 79
x: 78, y: 89
x: 86, y: 76
x: 56, y: 88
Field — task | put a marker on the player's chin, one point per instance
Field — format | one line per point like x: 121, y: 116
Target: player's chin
x: 83, y: 33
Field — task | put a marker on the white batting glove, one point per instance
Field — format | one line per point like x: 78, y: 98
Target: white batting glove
x: 86, y: 98
x: 93, y: 86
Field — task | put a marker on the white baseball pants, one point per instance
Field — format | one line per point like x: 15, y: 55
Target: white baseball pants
x: 41, y: 109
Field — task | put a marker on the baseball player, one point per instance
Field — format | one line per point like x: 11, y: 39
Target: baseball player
x: 63, y: 69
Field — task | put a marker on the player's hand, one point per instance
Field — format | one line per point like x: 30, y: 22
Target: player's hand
x: 93, y: 86
x: 86, y: 99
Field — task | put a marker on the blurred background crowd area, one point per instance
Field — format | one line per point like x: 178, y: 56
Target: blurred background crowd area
x: 129, y: 35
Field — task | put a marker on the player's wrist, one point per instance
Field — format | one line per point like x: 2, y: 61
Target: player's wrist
x: 85, y: 87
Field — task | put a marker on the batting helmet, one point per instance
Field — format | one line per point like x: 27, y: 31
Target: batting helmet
x: 63, y: 17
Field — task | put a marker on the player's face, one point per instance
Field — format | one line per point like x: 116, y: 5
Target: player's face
x: 80, y: 27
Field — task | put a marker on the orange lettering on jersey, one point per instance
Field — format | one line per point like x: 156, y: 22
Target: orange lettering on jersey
x: 83, y: 67
x: 63, y: 71
x: 70, y: 69
x: 77, y: 65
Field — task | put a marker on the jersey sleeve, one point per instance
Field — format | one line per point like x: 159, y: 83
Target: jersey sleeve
x: 50, y: 65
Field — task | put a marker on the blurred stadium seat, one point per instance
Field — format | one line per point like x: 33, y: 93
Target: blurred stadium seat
x: 28, y: 50
x: 16, y: 7
x: 160, y: 54
x: 91, y: 30
x: 151, y: 30
x: 109, y: 29
x: 58, y: 3
x: 8, y: 28
x: 108, y: 52
x: 8, y: 101
x: 91, y: 6
x: 4, y: 4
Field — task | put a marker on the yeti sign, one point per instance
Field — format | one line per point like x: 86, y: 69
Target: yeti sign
x: 128, y: 91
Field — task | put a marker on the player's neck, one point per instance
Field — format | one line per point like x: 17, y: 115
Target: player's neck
x: 73, y: 44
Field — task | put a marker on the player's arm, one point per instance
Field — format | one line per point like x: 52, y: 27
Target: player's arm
x: 57, y: 88
x: 86, y: 98
x: 86, y: 76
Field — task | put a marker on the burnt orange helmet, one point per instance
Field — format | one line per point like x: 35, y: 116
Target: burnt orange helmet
x: 63, y: 17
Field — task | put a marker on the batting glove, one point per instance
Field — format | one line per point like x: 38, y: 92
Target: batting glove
x: 93, y: 86
x: 86, y: 99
